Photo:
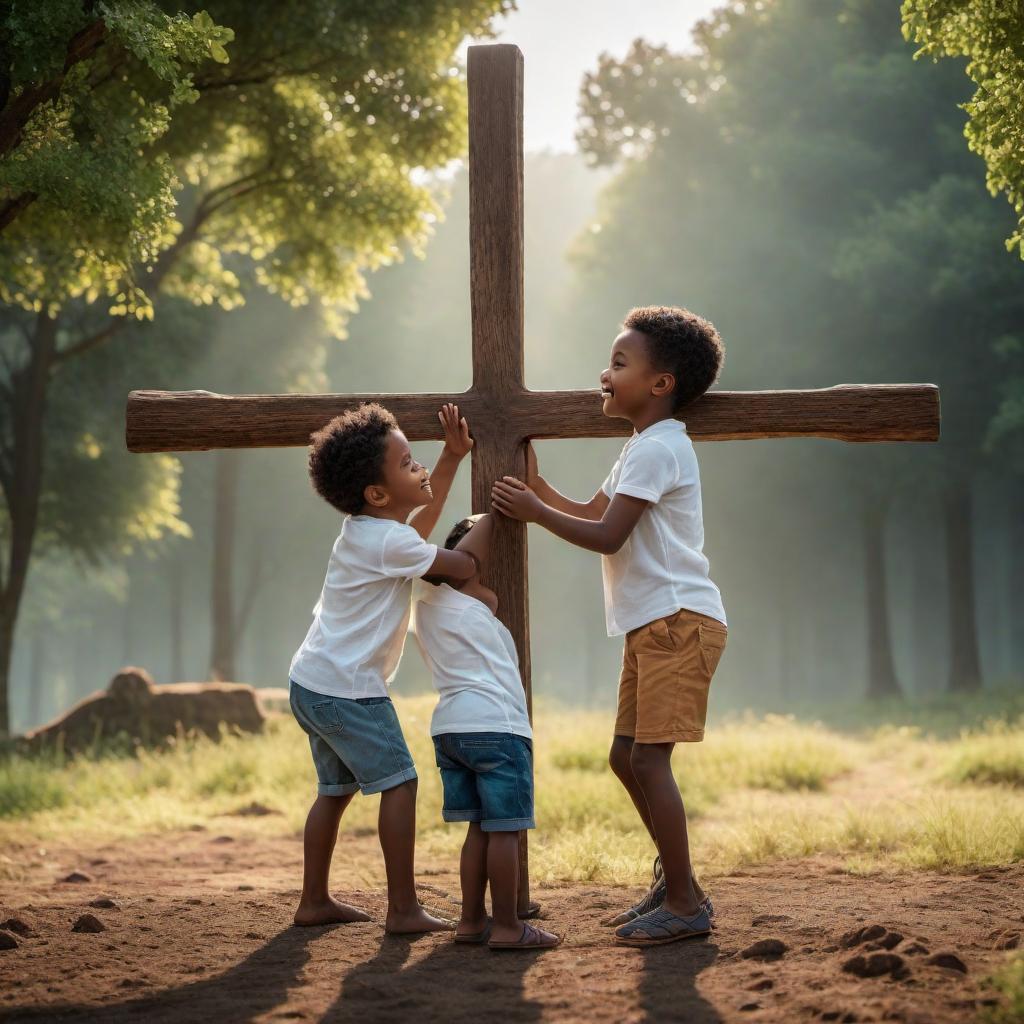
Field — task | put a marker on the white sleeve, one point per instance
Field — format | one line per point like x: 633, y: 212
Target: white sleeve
x: 405, y: 553
x: 648, y: 471
x: 606, y: 487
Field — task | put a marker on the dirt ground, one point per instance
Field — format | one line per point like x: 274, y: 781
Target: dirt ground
x: 197, y: 928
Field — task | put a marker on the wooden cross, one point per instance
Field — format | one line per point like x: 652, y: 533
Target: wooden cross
x: 502, y: 413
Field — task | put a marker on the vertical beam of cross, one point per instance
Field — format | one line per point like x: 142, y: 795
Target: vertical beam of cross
x: 496, y: 295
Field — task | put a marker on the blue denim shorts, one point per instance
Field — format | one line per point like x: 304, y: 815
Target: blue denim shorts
x: 356, y: 744
x: 487, y: 777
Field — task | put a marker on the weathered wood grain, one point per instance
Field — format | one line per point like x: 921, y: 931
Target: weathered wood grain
x: 166, y: 421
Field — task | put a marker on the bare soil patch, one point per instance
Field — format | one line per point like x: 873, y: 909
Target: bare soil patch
x: 197, y: 926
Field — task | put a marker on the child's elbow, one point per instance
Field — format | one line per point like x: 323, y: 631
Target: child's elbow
x: 611, y: 545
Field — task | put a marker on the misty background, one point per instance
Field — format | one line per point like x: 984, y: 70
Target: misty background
x: 789, y: 172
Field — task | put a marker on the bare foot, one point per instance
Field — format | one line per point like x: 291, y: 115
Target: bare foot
x: 329, y: 912
x: 415, y: 922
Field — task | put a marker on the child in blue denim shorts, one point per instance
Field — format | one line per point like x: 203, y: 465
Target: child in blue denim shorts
x: 360, y: 463
x: 482, y: 741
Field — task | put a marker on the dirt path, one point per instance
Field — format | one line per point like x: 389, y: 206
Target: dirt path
x: 199, y: 931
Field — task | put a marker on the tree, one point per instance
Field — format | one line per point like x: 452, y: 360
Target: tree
x: 297, y: 156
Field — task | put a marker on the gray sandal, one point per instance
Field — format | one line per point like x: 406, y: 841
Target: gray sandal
x: 662, y: 926
x: 653, y: 899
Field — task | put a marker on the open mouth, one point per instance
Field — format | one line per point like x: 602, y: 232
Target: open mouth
x: 607, y: 393
x: 425, y: 486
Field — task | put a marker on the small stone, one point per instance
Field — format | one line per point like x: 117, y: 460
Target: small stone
x: 1000, y: 940
x: 256, y: 810
x: 747, y: 1007
x: 866, y: 934
x: 17, y: 925
x: 103, y: 903
x: 88, y: 923
x: 223, y: 839
x: 873, y: 965
x: 948, y: 960
x: 764, y: 949
x: 761, y: 986
x: 915, y: 949
x: 890, y: 940
x: 194, y: 901
x: 8, y: 941
x: 77, y: 876
x: 253, y: 935
x: 246, y: 888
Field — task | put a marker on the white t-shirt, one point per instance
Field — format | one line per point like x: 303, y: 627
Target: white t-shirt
x: 473, y: 662
x: 661, y: 567
x: 356, y: 640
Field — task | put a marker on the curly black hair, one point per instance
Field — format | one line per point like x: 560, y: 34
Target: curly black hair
x: 347, y: 455
x: 458, y: 531
x: 681, y: 343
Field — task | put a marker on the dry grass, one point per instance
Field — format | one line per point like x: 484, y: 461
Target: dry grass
x: 756, y: 790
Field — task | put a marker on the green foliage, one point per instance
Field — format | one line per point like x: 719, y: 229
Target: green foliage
x: 298, y: 149
x: 990, y: 35
x: 103, y: 199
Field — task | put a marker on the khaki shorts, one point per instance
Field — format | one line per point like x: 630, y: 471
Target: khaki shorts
x: 667, y: 667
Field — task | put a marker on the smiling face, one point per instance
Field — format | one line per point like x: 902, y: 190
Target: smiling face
x: 404, y: 485
x: 631, y: 384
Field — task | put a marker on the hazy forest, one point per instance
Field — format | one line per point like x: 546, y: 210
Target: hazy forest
x: 799, y: 179
x: 273, y: 198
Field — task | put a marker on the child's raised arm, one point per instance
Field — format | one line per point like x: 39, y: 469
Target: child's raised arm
x: 457, y: 444
x: 593, y: 509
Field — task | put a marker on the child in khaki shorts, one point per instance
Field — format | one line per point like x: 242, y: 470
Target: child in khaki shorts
x: 646, y: 521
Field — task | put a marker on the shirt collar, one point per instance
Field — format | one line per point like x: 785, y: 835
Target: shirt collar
x: 660, y: 427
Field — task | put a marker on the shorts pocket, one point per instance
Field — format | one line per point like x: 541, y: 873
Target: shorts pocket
x: 712, y: 643
x: 326, y: 717
x: 661, y: 635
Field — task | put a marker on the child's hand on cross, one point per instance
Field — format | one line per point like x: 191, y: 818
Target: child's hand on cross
x: 514, y: 499
x: 457, y: 441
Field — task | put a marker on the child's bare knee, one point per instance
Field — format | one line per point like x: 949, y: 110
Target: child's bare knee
x: 647, y: 760
x: 618, y: 755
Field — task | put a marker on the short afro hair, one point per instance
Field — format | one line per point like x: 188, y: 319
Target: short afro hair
x: 347, y: 455
x: 681, y: 343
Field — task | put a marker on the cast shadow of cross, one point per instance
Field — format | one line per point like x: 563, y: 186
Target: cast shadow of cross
x: 454, y: 983
x: 257, y: 985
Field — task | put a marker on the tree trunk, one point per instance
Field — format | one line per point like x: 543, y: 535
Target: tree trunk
x: 22, y: 482
x: 882, y: 680
x: 965, y: 665
x: 36, y: 676
x: 222, y: 652
x: 177, y: 595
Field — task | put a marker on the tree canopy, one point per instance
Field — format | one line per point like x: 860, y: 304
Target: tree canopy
x: 990, y: 35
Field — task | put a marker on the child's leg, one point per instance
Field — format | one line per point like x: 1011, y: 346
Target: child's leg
x: 396, y: 826
x: 503, y: 874
x: 619, y: 757
x: 473, y: 873
x: 316, y: 905
x: 651, y: 764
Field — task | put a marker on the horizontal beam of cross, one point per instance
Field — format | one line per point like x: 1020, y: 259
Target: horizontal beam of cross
x: 166, y: 421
